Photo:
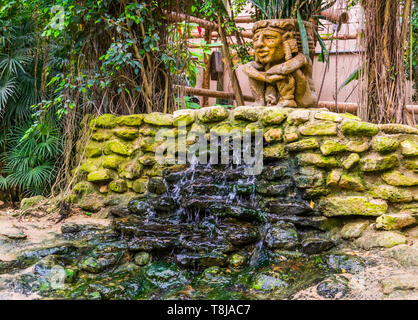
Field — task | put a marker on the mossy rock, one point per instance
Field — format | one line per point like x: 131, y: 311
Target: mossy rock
x: 351, y: 161
x: 147, y: 159
x: 83, y: 188
x: 374, y: 163
x: 159, y: 119
x: 107, y: 121
x: 409, y: 147
x: 113, y: 161
x: 148, y: 132
x: 99, y: 176
x: 330, y: 147
x: 134, y: 120
x: 380, y: 239
x: 247, y: 113
x: 395, y: 221
x: 298, y: 117
x: 325, y: 128
x: 27, y: 203
x: 254, y: 127
x: 411, y: 165
x: 391, y: 193
x: 273, y: 135
x: 331, y: 116
x: 94, y: 150
x: 118, y: 186
x: 351, y: 182
x: 119, y: 147
x: 306, y: 159
x: 184, y: 117
x: 130, y: 170
x: 333, y: 178
x: 394, y: 128
x: 224, y: 130
x: 398, y: 179
x: 140, y: 185
x: 384, y: 144
x: 212, y: 114
x: 273, y: 116
x: 358, y: 146
x: 148, y: 144
x: 275, y: 151
x: 356, y: 128
x: 126, y: 134
x: 352, y: 206
x: 90, y: 165
x: 302, y: 145
x: 101, y: 136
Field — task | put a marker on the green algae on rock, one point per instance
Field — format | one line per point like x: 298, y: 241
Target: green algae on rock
x: 374, y: 163
x: 212, y: 114
x: 352, y: 205
x: 325, y: 128
x: 384, y: 144
x: 356, y: 128
x: 398, y: 179
x: 273, y: 116
x: 159, y: 119
x: 332, y: 147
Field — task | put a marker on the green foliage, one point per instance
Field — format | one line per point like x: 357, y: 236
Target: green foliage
x: 29, y: 162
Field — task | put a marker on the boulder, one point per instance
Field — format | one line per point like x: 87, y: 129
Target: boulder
x: 352, y: 205
x: 324, y: 128
x: 356, y: 128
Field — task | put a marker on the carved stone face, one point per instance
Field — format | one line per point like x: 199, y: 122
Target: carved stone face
x: 268, y: 45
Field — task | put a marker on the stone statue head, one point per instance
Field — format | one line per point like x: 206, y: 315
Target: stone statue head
x: 269, y: 40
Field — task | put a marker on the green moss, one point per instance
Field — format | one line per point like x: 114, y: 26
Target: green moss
x: 148, y: 144
x: 140, y: 185
x: 351, y: 161
x: 247, y: 113
x: 102, y: 175
x: 212, y: 114
x: 90, y: 165
x: 225, y: 129
x: 126, y: 134
x: 330, y: 147
x: 409, y: 148
x: 324, y: 115
x: 351, y: 182
x: 118, y: 186
x: 398, y: 179
x: 253, y: 127
x: 104, y: 121
x: 113, y: 161
x: 159, y: 119
x: 325, y: 128
x: 302, y: 145
x: 273, y: 116
x: 333, y: 178
x: 148, y: 132
x: 27, y: 203
x: 101, y: 136
x: 147, y: 159
x: 391, y: 193
x: 375, y: 164
x: 356, y: 128
x: 83, y: 188
x: 411, y: 165
x: 358, y: 146
x: 384, y: 144
x: 130, y: 170
x: 352, y: 205
x: 94, y: 150
x: 185, y: 117
x: 394, y: 128
x: 307, y: 159
x: 118, y: 147
x: 134, y: 120
x: 275, y: 151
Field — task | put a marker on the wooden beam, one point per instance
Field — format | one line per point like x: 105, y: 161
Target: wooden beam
x: 228, y: 65
x: 179, y: 17
x: 206, y: 71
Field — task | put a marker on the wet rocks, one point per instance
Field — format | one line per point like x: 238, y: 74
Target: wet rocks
x: 314, y: 245
x: 394, y: 221
x: 353, y: 230
x: 142, y: 258
x: 332, y: 288
x: 380, y: 239
x: 282, y: 236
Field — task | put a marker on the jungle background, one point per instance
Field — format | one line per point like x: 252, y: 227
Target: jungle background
x: 62, y: 61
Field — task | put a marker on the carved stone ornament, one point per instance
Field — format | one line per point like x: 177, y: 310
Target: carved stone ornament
x: 281, y: 74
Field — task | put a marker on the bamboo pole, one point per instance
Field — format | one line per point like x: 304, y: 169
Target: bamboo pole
x: 206, y: 71
x: 228, y: 65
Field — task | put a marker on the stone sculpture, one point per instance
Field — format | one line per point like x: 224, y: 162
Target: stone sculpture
x: 280, y: 74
